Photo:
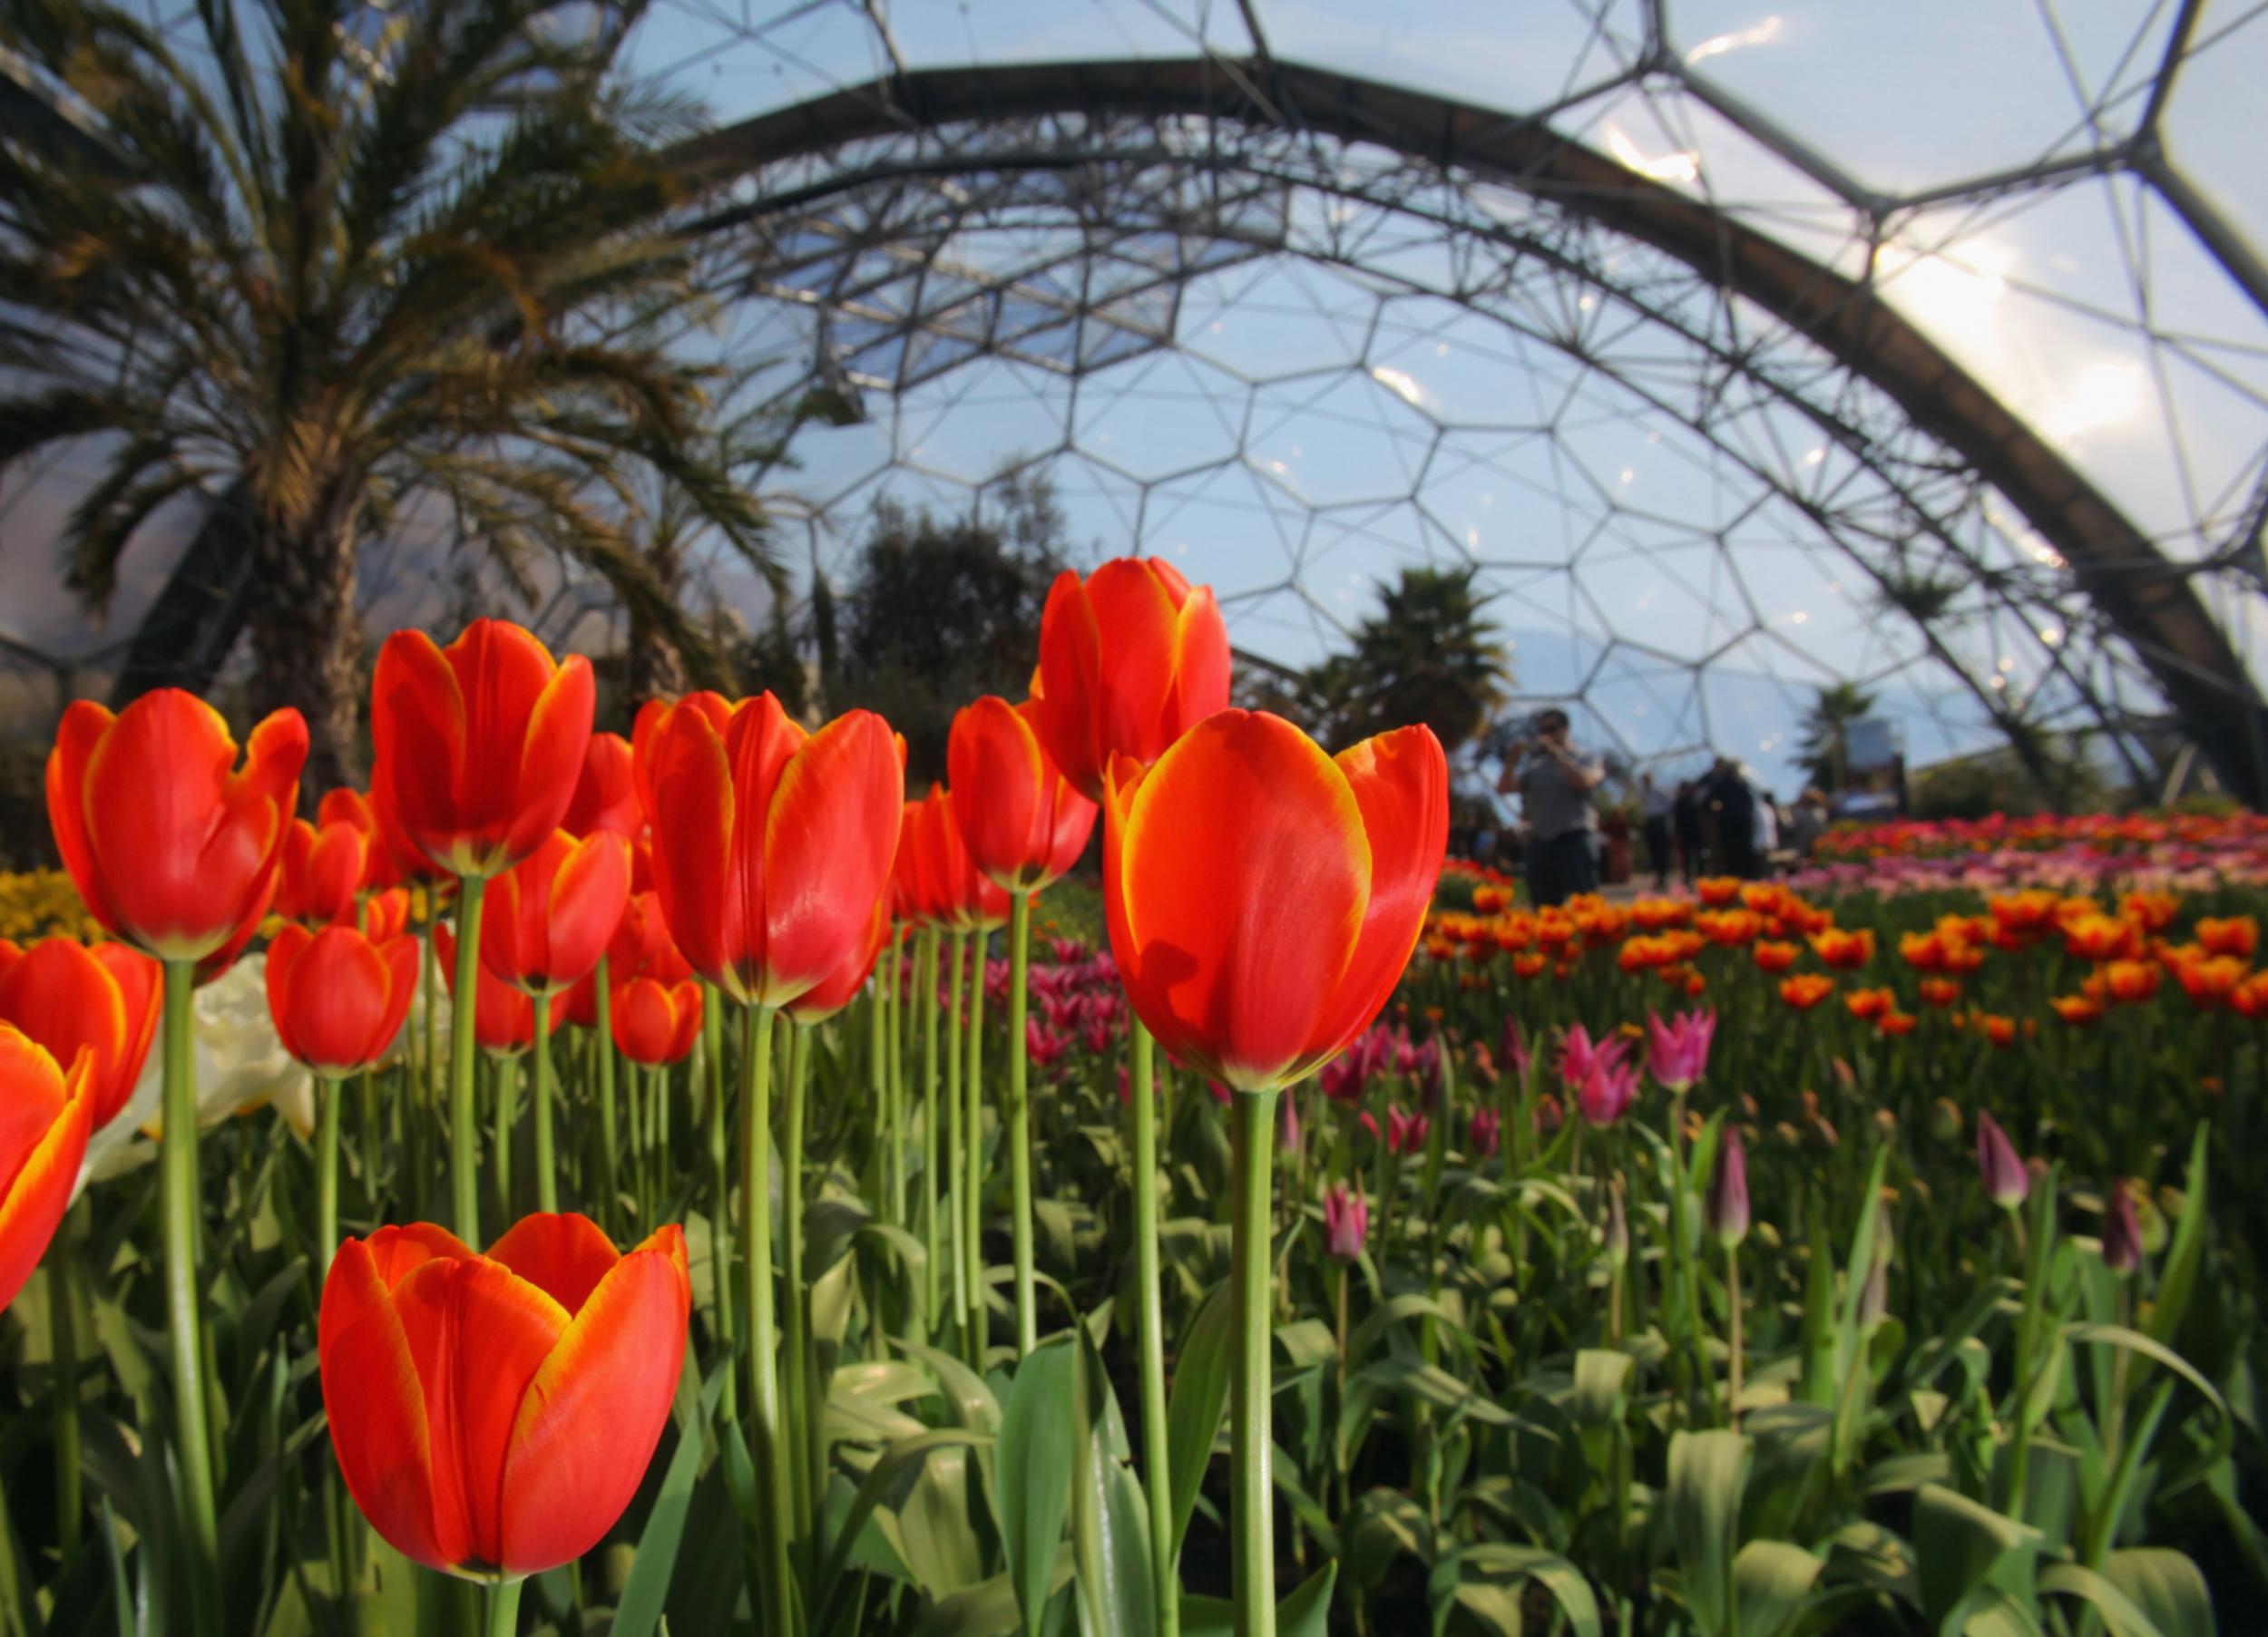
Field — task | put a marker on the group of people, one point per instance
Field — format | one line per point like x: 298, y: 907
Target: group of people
x: 1720, y: 824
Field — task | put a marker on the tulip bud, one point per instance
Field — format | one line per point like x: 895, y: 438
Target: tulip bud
x: 1345, y: 1222
x: 1487, y: 1126
x: 1726, y: 1207
x: 1874, y: 1297
x: 2122, y: 1231
x: 2005, y: 1178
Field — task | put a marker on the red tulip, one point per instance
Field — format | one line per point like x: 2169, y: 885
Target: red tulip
x: 655, y: 1023
x: 647, y: 731
x: 45, y: 1115
x: 549, y: 917
x: 173, y: 851
x: 503, y: 1019
x: 323, y: 871
x: 640, y: 948
x: 492, y: 1415
x: 1024, y: 823
x: 771, y: 844
x: 479, y: 744
x: 1263, y: 897
x: 606, y: 796
x: 68, y: 997
x: 841, y: 986
x: 386, y: 913
x: 934, y: 877
x: 1130, y: 661
x: 337, y: 998
x: 345, y: 806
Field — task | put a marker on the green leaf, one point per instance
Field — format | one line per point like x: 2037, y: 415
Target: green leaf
x: 1771, y: 1579
x: 1960, y: 1544
x: 1038, y: 1425
x: 990, y: 1609
x: 2116, y: 1611
x: 880, y: 1479
x: 1308, y: 1343
x: 1706, y: 1472
x: 1200, y: 1398
x: 1307, y: 1612
x: 1434, y: 1385
x: 1110, y: 1530
x: 2167, y: 1586
x: 1601, y: 1379
x: 650, y: 1571
x: 2178, y: 1278
x: 1555, y: 1573
x: 1397, y: 1310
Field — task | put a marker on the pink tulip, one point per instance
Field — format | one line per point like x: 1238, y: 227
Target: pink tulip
x: 1514, y: 1051
x: 1726, y: 1207
x: 1345, y: 1222
x: 1406, y: 1132
x: 1487, y: 1128
x: 2122, y: 1231
x: 1581, y: 1056
x: 2005, y: 1178
x: 1678, y: 1051
x: 1609, y: 1088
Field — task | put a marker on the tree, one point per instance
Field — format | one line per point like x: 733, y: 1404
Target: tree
x: 358, y: 267
x: 939, y: 610
x: 1426, y: 656
x: 1820, y: 749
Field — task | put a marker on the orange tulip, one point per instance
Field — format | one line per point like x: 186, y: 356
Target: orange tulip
x: 655, y: 1023
x: 2000, y: 1030
x: 606, y: 795
x: 385, y: 914
x: 1847, y: 950
x: 647, y: 731
x: 1865, y: 1004
x: 2131, y: 982
x: 503, y: 1019
x: 171, y: 850
x: 2210, y: 981
x: 68, y: 998
x: 1895, y: 1022
x: 337, y: 998
x: 2237, y: 935
x: 1941, y: 991
x: 549, y: 918
x: 934, y: 878
x: 1263, y: 897
x: 492, y: 1415
x: 1717, y: 890
x: 323, y: 871
x: 2077, y: 1010
x: 479, y: 744
x: 1805, y: 989
x: 1771, y: 957
x: 840, y: 987
x: 771, y: 844
x: 343, y: 806
x: 1024, y: 823
x: 45, y: 1115
x: 2092, y: 936
x: 1131, y: 659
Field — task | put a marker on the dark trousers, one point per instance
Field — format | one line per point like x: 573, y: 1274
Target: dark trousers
x: 1658, y: 849
x: 1560, y: 867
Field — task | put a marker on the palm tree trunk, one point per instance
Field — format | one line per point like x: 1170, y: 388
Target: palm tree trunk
x: 307, y: 643
x: 653, y: 668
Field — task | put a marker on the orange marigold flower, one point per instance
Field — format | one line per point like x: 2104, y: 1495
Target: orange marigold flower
x: 1805, y: 989
x: 2237, y: 935
x: 1846, y: 950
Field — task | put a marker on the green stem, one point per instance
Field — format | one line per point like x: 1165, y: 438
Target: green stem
x: 546, y: 1171
x: 503, y: 1608
x: 332, y: 1091
x: 1151, y: 1338
x: 602, y: 997
x: 506, y: 1071
x: 184, y: 1308
x: 463, y: 996
x: 972, y: 1226
x: 793, y: 1356
x: 429, y: 960
x: 756, y: 1204
x: 956, y: 1161
x: 933, y: 1200
x: 1020, y: 1118
x: 62, y: 1303
x: 1733, y: 1336
x: 720, y: 1180
x: 1251, y: 1504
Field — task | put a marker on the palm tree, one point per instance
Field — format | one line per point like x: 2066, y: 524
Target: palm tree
x: 359, y: 269
x: 1833, y: 709
x: 1426, y: 656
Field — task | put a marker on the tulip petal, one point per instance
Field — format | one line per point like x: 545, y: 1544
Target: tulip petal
x: 1068, y: 684
x: 377, y: 1406
x: 693, y: 821
x: 477, y: 1334
x: 1244, y: 872
x: 83, y: 726
x: 1200, y: 672
x: 1135, y: 609
x: 585, y: 906
x: 397, y: 1251
x: 404, y: 958
x: 558, y: 735
x: 47, y: 1115
x: 1000, y: 782
x: 588, y: 1422
x: 564, y: 1254
x: 1401, y: 783
x: 829, y: 837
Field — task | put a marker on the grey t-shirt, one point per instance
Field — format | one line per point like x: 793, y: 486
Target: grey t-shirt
x: 1550, y: 804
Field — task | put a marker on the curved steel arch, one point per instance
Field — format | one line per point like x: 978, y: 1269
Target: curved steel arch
x: 2145, y: 598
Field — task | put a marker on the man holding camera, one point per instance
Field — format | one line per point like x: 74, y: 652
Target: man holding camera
x: 1554, y: 783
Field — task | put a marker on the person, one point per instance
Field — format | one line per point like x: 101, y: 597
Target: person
x: 1555, y: 782
x: 1766, y: 834
x: 1728, y: 796
x: 1655, y: 807
x: 1807, y: 822
x: 1685, y: 815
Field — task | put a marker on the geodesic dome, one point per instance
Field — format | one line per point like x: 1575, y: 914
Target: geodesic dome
x: 1739, y: 348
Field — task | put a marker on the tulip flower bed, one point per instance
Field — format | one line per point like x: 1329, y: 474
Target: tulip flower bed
x: 797, y: 1228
